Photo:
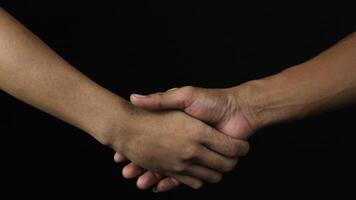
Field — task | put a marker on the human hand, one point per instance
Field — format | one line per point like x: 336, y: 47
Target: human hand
x: 176, y: 145
x: 224, y: 109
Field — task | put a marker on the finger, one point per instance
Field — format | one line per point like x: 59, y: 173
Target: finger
x: 204, y: 173
x: 172, y: 99
x: 189, y: 181
x: 225, y: 145
x: 119, y: 158
x: 172, y: 89
x: 215, y: 161
x: 166, y: 184
x: 131, y: 171
x: 148, y: 179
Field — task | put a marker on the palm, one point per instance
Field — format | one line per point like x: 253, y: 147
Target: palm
x: 221, y: 110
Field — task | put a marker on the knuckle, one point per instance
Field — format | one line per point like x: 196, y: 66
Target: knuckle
x: 179, y: 168
x: 200, y: 136
x: 156, y: 95
x: 159, y: 97
x: 190, y: 153
x: 231, y: 147
x: 194, y: 131
x: 187, y: 90
x: 184, y: 95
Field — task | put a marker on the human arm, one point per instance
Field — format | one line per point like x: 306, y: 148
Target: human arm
x: 165, y: 142
x: 324, y: 83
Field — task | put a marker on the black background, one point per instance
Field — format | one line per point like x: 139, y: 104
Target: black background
x: 147, y: 46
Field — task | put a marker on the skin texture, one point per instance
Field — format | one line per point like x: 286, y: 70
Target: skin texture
x: 216, y: 107
x: 33, y: 73
x: 326, y: 82
x: 171, y: 143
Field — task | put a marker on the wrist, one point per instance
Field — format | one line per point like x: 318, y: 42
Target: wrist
x: 108, y: 123
x: 251, y: 105
x: 263, y: 101
x: 122, y: 127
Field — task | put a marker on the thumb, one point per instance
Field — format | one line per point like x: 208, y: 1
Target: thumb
x: 176, y: 98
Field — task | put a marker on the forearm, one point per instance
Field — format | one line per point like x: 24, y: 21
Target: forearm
x: 33, y: 73
x: 323, y: 83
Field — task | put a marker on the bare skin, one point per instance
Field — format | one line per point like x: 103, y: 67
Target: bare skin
x: 324, y: 83
x: 171, y: 143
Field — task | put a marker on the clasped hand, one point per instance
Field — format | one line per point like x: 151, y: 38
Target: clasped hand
x: 196, y: 151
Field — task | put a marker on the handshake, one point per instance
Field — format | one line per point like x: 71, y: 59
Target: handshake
x: 187, y: 135
x: 192, y: 136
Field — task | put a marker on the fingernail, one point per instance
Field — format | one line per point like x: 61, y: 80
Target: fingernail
x: 154, y: 190
x: 172, y: 89
x: 138, y: 95
x: 139, y: 183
